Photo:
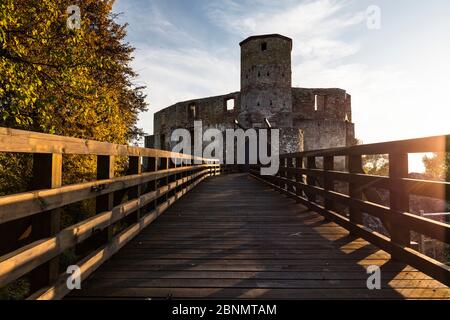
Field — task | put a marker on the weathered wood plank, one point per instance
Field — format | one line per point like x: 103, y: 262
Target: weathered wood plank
x: 257, y: 293
x: 89, y: 264
x: 13, y: 140
x: 29, y: 203
x: 23, y: 260
x: 203, y: 247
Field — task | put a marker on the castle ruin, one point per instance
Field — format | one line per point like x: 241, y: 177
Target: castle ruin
x: 308, y: 119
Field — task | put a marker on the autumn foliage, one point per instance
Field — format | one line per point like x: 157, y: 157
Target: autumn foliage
x: 60, y: 80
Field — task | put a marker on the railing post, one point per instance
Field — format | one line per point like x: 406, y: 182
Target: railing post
x: 290, y: 174
x: 283, y: 174
x: 135, y: 167
x: 298, y: 177
x: 165, y: 166
x: 399, y: 198
x: 105, y: 170
x: 47, y: 173
x: 310, y: 180
x: 153, y: 185
x: 328, y: 165
x: 355, y: 191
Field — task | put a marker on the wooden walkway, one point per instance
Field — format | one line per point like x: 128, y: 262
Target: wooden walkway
x: 233, y: 237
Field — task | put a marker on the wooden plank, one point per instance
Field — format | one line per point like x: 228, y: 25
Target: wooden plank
x: 311, y: 180
x: 426, y: 188
x: 247, y: 255
x: 298, y: 176
x: 105, y: 170
x: 399, y: 200
x: 311, y: 275
x: 421, y: 145
x: 135, y: 167
x: 257, y: 293
x: 350, y: 284
x: 355, y: 190
x: 434, y: 229
x: 89, y: 264
x: 193, y: 252
x: 328, y: 165
x: 23, y: 260
x: 260, y: 267
x: 434, y: 268
x: 13, y: 140
x: 47, y: 173
x: 26, y: 204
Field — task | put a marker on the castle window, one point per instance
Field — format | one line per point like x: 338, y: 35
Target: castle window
x: 259, y: 74
x: 264, y: 46
x: 268, y: 74
x: 230, y: 104
x: 258, y: 104
x: 316, y: 107
x: 192, y: 111
x: 271, y: 102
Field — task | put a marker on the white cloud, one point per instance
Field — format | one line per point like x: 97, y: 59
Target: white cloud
x: 393, y: 96
x: 314, y: 26
x: 179, y: 75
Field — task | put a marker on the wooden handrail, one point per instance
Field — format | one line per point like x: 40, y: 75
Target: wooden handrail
x: 300, y: 179
x: 151, y: 190
x: 12, y: 140
x: 25, y: 204
x: 420, y: 145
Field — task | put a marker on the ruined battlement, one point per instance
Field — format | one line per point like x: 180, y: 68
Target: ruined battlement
x: 308, y: 118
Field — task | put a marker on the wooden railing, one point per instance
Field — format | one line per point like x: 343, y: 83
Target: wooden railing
x: 301, y: 178
x: 152, y: 183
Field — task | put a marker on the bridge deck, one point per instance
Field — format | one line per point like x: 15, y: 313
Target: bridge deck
x: 232, y: 237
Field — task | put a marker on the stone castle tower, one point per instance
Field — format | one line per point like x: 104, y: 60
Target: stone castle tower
x: 308, y: 118
x: 266, y: 89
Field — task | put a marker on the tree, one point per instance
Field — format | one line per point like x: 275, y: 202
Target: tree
x: 438, y: 165
x: 70, y: 82
x: 73, y: 82
x: 376, y: 164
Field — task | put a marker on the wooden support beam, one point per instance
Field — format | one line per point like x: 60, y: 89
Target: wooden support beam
x: 290, y: 174
x: 47, y: 174
x: 354, y: 189
x: 135, y: 167
x: 328, y: 182
x: 399, y: 199
x: 104, y: 202
x: 311, y: 180
x: 298, y: 176
x: 283, y: 173
x: 105, y: 170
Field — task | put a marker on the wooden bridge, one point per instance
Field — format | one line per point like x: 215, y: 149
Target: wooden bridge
x: 297, y: 235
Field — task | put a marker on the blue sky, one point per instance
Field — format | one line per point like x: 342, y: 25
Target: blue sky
x: 398, y: 76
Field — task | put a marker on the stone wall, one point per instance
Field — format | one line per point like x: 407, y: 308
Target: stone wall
x: 308, y: 118
x: 312, y: 104
x: 325, y: 134
x: 212, y: 111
